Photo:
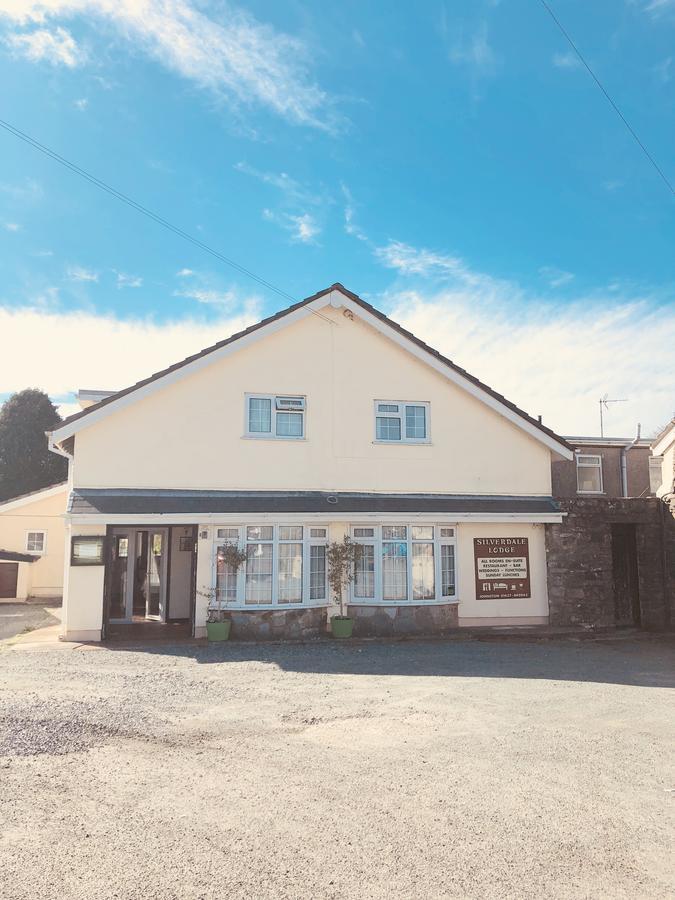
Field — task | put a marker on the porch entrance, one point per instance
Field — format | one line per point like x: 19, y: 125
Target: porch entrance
x: 138, y: 575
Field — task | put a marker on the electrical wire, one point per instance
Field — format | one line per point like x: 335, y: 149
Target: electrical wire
x: 611, y: 102
x: 118, y: 195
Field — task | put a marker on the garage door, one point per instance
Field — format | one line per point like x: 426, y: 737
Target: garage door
x: 8, y: 576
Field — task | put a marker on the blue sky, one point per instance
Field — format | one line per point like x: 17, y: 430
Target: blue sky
x: 451, y: 162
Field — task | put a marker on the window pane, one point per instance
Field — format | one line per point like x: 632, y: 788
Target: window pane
x: 229, y: 534
x: 317, y: 572
x: 387, y: 407
x: 415, y: 422
x: 289, y: 424
x: 364, y: 583
x: 290, y: 573
x: 259, y: 573
x: 388, y: 429
x: 394, y: 532
x: 317, y: 532
x: 423, y: 577
x: 447, y: 532
x: 588, y: 460
x: 423, y: 532
x: 260, y: 532
x: 588, y: 478
x: 226, y: 580
x: 394, y: 571
x: 364, y: 532
x: 447, y: 570
x: 35, y: 541
x: 290, y: 532
x: 260, y: 415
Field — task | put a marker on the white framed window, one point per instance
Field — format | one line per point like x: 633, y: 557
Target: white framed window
x: 401, y: 422
x: 275, y: 416
x: 286, y: 566
x: 36, y: 542
x: 655, y: 473
x: 405, y: 564
x: 589, y: 473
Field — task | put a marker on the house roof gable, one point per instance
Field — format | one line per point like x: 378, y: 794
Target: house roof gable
x: 312, y: 304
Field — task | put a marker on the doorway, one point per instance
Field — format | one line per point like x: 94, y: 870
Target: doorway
x: 625, y: 572
x: 138, y: 575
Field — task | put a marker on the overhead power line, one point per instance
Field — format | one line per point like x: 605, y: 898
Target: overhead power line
x: 611, y: 102
x: 160, y: 220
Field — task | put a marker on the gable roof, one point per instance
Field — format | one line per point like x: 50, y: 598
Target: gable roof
x: 33, y: 496
x: 311, y: 304
x: 664, y: 438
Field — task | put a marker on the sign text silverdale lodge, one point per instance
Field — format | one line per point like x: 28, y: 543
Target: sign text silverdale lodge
x: 502, y: 568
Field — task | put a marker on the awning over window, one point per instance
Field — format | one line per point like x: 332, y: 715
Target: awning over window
x: 115, y: 502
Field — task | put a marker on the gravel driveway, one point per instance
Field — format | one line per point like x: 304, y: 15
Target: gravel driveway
x: 398, y: 770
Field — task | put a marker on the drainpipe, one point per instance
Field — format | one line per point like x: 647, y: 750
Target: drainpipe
x: 624, y: 469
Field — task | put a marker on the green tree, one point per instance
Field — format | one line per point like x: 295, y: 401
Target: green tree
x: 26, y: 464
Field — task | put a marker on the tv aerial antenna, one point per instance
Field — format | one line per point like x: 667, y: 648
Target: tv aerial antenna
x: 604, y: 405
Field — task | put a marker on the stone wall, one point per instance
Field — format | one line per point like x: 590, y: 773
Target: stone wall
x: 579, y: 561
x: 392, y: 621
x: 261, y: 625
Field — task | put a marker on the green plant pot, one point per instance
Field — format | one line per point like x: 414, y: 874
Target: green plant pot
x: 218, y: 631
x: 341, y: 626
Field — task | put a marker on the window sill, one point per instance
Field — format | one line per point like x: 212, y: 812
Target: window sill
x: 445, y: 601
x: 269, y: 607
x: 408, y: 443
x: 271, y: 437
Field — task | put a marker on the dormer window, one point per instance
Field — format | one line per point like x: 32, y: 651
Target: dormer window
x: 401, y: 422
x: 275, y: 416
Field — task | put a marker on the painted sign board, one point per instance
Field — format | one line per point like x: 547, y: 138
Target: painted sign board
x: 502, y: 568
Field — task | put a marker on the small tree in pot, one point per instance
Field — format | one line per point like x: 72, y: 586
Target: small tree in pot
x: 343, y: 557
x: 218, y: 623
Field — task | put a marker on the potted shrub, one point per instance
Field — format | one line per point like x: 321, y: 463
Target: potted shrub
x: 342, y: 559
x: 218, y: 623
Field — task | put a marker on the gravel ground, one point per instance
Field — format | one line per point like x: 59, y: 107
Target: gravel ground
x: 18, y: 617
x: 370, y: 770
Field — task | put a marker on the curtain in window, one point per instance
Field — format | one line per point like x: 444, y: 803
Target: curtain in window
x: 317, y: 572
x: 259, y: 574
x: 364, y: 582
x: 423, y: 577
x: 290, y: 573
x: 394, y: 570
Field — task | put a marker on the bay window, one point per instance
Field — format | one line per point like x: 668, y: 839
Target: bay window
x: 285, y: 566
x: 404, y: 564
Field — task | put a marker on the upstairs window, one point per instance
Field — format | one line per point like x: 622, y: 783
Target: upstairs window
x: 398, y: 421
x: 589, y: 473
x: 276, y: 416
x: 36, y: 541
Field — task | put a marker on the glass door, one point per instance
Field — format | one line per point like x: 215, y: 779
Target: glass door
x: 138, y: 574
x: 155, y: 604
x: 122, y: 575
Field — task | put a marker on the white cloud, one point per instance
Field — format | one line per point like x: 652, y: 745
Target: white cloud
x: 128, y: 281
x: 57, y: 47
x: 67, y: 351
x: 303, y: 228
x: 78, y: 273
x: 184, y: 273
x: 29, y: 191
x: 555, y: 277
x: 567, y: 60
x: 656, y: 7
x: 227, y: 300
x: 474, y: 51
x: 12, y: 226
x: 292, y: 190
x: 557, y: 361
x: 351, y: 226
x: 235, y: 56
x: 82, y: 103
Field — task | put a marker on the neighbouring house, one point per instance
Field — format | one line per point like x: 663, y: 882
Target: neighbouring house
x: 32, y: 544
x: 606, y: 467
x: 663, y: 451
x: 323, y: 420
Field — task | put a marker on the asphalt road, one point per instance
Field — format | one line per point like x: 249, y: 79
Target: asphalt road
x: 373, y: 770
x: 18, y: 617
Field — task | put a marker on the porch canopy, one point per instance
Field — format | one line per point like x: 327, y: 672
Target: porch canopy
x: 116, y: 505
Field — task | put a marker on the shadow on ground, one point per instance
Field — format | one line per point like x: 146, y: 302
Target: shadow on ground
x: 646, y: 660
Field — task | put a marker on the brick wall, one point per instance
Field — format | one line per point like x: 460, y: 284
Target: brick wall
x: 579, y: 560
